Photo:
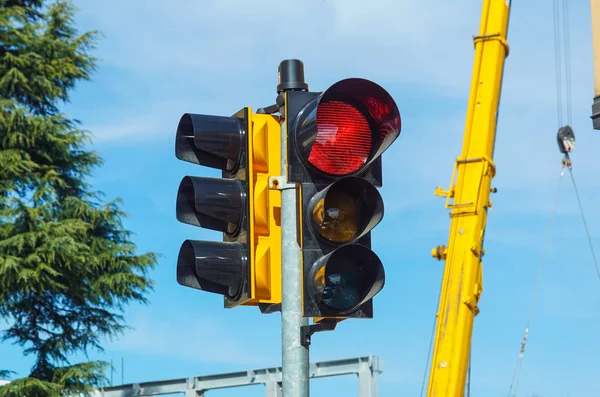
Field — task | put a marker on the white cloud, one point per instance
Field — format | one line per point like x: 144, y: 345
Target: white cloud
x: 209, y: 55
x: 426, y: 42
x: 388, y: 38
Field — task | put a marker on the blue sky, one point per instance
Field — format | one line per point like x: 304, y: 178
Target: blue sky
x: 161, y: 59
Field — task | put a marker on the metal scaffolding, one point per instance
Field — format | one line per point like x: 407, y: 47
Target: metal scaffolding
x: 367, y: 369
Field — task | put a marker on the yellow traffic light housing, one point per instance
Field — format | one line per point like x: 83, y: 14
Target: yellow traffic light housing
x: 265, y: 210
x: 246, y: 266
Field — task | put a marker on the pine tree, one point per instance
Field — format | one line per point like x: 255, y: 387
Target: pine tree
x: 67, y: 265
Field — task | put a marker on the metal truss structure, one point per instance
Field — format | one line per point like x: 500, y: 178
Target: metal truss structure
x: 367, y: 369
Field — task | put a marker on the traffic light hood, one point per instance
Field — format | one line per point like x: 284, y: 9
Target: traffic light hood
x: 212, y: 266
x: 211, y: 141
x: 212, y: 203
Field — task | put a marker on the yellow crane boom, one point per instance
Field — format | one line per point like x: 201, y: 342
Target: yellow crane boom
x: 595, y: 14
x: 469, y: 199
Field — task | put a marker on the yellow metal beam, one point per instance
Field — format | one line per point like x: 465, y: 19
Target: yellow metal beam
x: 469, y: 199
x: 595, y: 14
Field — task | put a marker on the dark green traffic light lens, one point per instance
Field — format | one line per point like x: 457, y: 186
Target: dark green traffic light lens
x: 342, y: 286
x: 348, y: 277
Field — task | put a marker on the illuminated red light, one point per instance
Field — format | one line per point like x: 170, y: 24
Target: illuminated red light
x: 343, y: 141
x: 347, y: 127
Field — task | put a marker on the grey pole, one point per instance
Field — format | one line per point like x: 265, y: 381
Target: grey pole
x: 295, y: 364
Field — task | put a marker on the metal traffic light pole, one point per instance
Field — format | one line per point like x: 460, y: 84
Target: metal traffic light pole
x: 295, y: 361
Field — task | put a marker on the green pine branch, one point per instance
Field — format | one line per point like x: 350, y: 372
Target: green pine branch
x: 68, y: 267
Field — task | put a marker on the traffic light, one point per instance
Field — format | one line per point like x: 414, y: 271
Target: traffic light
x: 246, y: 266
x: 335, y: 142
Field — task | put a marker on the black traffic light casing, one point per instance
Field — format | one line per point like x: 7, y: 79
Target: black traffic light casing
x: 246, y: 266
x: 364, y: 120
x: 219, y: 204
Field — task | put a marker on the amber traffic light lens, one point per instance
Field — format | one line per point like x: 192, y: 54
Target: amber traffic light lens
x: 345, y: 210
x: 338, y: 216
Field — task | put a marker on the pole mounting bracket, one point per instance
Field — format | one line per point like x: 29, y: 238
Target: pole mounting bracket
x: 306, y: 331
x: 279, y: 183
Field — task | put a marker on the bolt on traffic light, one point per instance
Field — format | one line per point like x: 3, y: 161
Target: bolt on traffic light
x: 335, y: 142
x: 246, y: 266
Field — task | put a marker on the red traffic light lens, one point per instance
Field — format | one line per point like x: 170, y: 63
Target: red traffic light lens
x: 343, y: 142
x: 346, y: 127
